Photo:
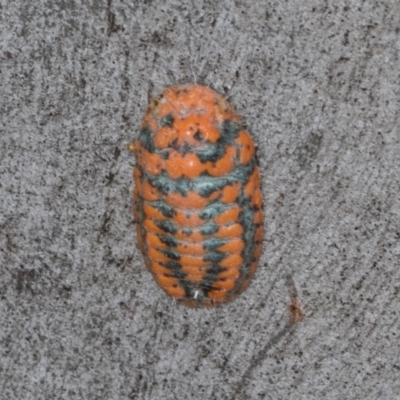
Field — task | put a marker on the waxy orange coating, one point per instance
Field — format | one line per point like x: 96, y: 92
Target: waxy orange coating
x: 198, y: 202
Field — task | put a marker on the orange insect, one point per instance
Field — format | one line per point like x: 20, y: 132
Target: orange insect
x: 198, y: 203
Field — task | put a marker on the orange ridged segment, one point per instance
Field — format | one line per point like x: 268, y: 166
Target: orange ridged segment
x: 233, y: 230
x: 158, y: 269
x: 152, y: 163
x: 157, y: 256
x: 152, y: 212
x: 153, y: 240
x: 174, y: 291
x: 252, y: 184
x: 194, y: 261
x: 217, y: 295
x: 258, y: 237
x: 195, y: 249
x: 247, y: 149
x: 187, y: 219
x: 189, y: 202
x: 151, y: 226
x: 256, y: 199
x: 195, y: 236
x: 230, y: 273
x: 253, y: 268
x: 235, y: 245
x: 165, y: 136
x: 196, y: 277
x: 230, y: 193
x: 224, y: 165
x: 166, y: 281
x: 225, y: 284
x: 194, y: 269
x: 179, y: 165
x: 148, y: 192
x: 258, y: 217
x: 232, y: 261
x: 228, y: 216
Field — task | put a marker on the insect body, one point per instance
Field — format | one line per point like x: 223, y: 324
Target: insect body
x: 198, y: 203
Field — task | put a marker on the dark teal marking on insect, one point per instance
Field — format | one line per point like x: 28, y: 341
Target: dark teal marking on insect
x: 172, y: 254
x: 175, y: 269
x: 167, y: 120
x: 215, y: 269
x: 146, y: 139
x: 172, y: 265
x: 199, y: 136
x: 213, y: 209
x: 209, y: 228
x: 204, y: 185
x: 213, y: 152
x: 246, y: 219
x: 213, y: 243
x: 163, y: 207
x: 214, y: 256
x: 166, y: 226
x: 211, y: 278
x: 229, y: 131
x: 169, y: 240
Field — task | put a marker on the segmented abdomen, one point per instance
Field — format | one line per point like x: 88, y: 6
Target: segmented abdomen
x: 198, y: 204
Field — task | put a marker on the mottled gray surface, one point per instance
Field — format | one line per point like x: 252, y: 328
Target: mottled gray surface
x: 318, y: 86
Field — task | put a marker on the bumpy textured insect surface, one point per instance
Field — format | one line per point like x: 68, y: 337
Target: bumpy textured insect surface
x: 198, y: 204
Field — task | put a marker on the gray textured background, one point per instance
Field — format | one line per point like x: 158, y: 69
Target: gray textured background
x: 316, y: 83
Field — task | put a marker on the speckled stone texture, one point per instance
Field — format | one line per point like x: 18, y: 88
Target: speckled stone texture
x: 317, y: 83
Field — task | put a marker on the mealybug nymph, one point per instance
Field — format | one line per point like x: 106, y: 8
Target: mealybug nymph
x: 197, y: 197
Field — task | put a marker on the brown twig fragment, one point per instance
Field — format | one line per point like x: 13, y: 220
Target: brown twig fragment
x: 295, y: 308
